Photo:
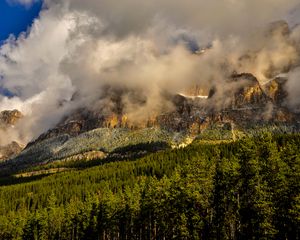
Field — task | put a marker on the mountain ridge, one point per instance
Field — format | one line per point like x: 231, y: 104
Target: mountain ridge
x: 248, y: 106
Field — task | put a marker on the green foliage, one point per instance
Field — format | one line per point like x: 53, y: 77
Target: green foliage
x: 248, y: 189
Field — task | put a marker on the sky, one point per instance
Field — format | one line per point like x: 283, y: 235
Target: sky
x: 16, y: 18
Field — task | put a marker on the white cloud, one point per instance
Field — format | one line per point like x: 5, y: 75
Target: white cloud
x: 26, y: 3
x: 30, y: 69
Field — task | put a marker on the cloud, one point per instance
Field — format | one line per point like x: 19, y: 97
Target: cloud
x: 221, y: 17
x: 26, y: 3
x: 137, y: 52
x: 29, y: 67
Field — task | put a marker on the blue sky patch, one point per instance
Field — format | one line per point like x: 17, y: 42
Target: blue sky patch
x: 16, y: 18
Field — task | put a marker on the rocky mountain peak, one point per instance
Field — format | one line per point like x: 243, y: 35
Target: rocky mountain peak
x: 250, y: 94
x: 10, y: 117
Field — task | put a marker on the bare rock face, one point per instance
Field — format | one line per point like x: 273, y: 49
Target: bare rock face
x: 275, y: 89
x: 253, y: 103
x: 250, y: 94
x: 9, y: 151
x: 7, y: 120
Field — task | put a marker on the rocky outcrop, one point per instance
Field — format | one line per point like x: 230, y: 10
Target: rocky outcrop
x: 8, y: 119
x: 250, y: 94
x: 9, y: 151
x: 275, y: 89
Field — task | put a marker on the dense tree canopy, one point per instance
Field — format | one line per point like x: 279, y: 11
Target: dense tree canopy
x: 249, y: 189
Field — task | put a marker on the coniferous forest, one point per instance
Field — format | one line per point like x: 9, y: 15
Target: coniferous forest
x: 248, y: 189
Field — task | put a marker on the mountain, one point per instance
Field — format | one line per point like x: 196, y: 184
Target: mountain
x: 247, y: 108
x: 193, y: 112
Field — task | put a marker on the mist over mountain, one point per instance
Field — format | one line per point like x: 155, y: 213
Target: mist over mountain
x: 129, y: 59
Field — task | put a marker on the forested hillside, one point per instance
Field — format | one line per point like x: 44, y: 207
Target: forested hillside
x: 248, y: 189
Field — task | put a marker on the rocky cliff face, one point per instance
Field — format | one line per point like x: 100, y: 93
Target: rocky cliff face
x: 253, y: 103
x: 9, y: 151
x: 275, y: 89
x: 250, y: 103
x: 8, y: 119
